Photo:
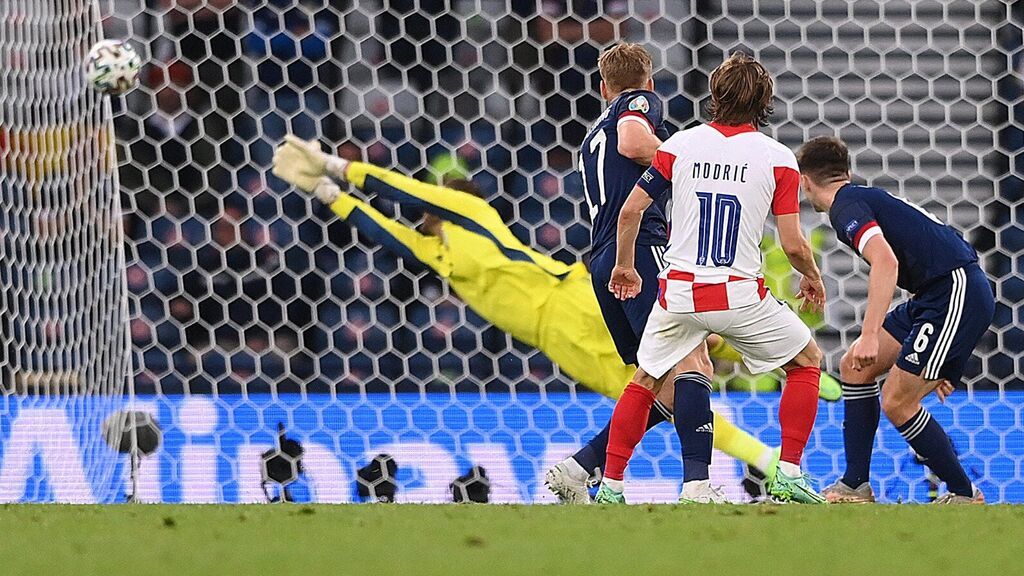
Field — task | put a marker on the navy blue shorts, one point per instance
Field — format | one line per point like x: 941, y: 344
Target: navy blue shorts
x: 626, y: 318
x: 940, y: 326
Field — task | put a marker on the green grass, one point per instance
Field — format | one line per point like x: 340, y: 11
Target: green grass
x: 494, y: 540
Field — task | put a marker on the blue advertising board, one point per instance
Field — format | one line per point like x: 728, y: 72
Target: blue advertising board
x: 53, y: 449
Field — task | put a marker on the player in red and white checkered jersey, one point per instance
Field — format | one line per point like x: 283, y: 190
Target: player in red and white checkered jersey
x: 725, y: 178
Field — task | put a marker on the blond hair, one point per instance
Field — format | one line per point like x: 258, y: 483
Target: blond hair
x: 625, y: 66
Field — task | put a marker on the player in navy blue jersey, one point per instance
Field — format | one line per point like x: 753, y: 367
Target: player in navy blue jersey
x: 614, y: 154
x: 924, y: 342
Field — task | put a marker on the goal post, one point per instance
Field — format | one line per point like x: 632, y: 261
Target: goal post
x: 249, y: 307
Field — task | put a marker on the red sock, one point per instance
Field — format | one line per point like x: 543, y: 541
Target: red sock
x: 797, y: 411
x: 629, y: 422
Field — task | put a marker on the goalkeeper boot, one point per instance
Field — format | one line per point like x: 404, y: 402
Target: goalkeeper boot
x: 797, y: 489
x: 569, y: 482
x: 701, y: 492
x: 829, y: 388
x: 756, y: 480
x: 840, y: 493
x: 605, y: 495
x: 951, y: 498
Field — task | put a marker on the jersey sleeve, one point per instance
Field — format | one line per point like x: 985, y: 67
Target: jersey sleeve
x: 452, y: 205
x: 657, y: 179
x: 644, y: 108
x: 855, y: 223
x: 394, y: 236
x: 786, y: 197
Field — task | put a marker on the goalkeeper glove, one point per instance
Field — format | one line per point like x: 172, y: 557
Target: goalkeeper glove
x: 327, y: 191
x: 301, y: 163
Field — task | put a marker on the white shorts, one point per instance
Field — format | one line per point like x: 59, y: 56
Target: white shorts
x: 767, y: 334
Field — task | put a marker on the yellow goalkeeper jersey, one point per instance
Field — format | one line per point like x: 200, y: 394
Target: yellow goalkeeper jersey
x: 535, y: 298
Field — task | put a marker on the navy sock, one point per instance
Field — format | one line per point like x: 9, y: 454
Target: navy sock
x: 861, y: 411
x: 929, y: 440
x: 593, y: 454
x: 694, y: 423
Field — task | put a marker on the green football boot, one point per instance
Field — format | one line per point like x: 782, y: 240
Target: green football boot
x: 606, y: 495
x: 794, y: 489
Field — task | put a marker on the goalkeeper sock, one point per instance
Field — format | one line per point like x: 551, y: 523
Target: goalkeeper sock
x: 592, y: 456
x: 742, y: 446
x: 797, y: 411
x: 693, y: 420
x: 931, y: 443
x: 861, y: 412
x: 627, y: 428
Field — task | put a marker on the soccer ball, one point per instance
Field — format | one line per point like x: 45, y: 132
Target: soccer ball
x: 112, y: 66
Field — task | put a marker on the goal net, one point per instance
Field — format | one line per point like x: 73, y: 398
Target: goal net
x: 252, y: 306
x: 64, y: 348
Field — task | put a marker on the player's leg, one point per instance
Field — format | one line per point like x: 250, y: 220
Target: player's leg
x: 666, y: 335
x: 691, y: 383
x: 694, y: 425
x: 901, y: 401
x: 829, y: 389
x: 861, y: 412
x: 731, y: 440
x: 954, y: 315
x: 625, y: 430
x: 770, y: 335
x: 568, y: 479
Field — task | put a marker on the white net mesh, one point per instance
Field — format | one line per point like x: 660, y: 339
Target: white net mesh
x: 252, y: 306
x: 64, y: 355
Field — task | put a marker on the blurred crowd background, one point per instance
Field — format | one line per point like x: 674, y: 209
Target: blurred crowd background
x: 241, y: 283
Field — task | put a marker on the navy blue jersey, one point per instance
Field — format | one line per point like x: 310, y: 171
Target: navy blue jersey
x: 609, y: 177
x: 925, y: 247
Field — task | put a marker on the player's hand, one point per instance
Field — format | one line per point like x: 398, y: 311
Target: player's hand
x: 944, y: 390
x: 327, y: 191
x: 302, y: 163
x: 812, y: 292
x: 864, y: 351
x: 625, y: 283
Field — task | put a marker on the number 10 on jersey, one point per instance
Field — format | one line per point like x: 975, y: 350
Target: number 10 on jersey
x: 719, y: 228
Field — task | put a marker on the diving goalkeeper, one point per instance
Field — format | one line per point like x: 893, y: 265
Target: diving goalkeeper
x: 535, y: 298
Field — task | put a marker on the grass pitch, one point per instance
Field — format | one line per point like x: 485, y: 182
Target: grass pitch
x: 400, y: 540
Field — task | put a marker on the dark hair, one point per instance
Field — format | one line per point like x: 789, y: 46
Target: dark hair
x: 824, y: 160
x: 741, y: 92
x: 463, y: 185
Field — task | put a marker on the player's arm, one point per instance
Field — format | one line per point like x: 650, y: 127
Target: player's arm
x: 625, y: 283
x: 400, y: 239
x: 801, y: 257
x: 635, y: 128
x: 786, y: 208
x: 452, y: 205
x: 885, y: 270
x: 303, y: 163
x: 637, y: 142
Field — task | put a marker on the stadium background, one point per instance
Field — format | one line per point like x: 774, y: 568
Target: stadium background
x: 250, y: 305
